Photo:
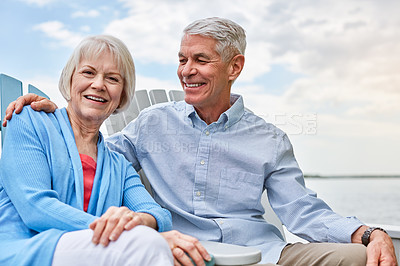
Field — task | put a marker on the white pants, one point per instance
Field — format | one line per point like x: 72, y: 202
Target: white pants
x: 139, y: 246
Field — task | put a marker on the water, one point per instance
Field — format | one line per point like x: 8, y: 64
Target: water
x: 372, y: 200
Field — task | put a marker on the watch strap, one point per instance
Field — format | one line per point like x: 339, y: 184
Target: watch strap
x: 367, y: 234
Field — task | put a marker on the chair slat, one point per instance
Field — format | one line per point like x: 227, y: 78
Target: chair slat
x: 10, y: 89
x: 176, y: 95
x: 158, y: 96
x: 33, y: 89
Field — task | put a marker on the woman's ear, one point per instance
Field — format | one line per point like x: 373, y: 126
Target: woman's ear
x: 123, y: 99
x: 236, y: 65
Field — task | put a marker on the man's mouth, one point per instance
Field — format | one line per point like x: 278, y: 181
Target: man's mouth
x: 193, y: 85
x: 94, y: 98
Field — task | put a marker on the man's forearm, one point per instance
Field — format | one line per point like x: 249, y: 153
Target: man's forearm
x: 356, y: 236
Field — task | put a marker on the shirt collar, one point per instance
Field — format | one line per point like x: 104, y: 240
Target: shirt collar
x: 230, y: 116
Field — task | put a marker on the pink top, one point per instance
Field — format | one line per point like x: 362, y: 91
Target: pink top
x: 89, y: 171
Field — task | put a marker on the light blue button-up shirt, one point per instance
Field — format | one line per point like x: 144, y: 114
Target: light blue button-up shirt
x: 211, y: 177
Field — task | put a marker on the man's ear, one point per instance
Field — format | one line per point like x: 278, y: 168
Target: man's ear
x: 236, y: 66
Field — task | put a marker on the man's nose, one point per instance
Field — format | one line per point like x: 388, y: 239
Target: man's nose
x: 188, y: 69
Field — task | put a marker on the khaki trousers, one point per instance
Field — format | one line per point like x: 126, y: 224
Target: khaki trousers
x: 321, y: 254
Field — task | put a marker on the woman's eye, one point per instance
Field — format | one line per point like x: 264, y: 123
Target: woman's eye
x: 88, y: 72
x: 114, y: 79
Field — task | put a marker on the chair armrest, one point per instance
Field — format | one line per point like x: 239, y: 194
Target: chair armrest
x: 228, y: 254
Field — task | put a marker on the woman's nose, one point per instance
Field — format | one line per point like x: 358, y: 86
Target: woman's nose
x: 98, y: 82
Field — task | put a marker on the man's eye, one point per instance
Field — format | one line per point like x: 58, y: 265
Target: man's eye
x: 182, y: 61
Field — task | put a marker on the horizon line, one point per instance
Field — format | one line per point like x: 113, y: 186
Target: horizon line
x: 352, y: 176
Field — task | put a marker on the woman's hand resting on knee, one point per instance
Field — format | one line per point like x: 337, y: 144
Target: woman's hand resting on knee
x: 183, y: 245
x: 115, y: 220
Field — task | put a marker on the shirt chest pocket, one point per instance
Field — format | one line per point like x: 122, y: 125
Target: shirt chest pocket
x: 239, y: 191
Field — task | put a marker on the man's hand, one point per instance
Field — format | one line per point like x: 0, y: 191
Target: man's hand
x: 37, y: 103
x: 115, y: 220
x: 183, y: 245
x: 380, y: 250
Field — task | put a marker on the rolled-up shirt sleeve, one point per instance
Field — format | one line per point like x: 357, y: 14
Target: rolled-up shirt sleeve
x: 299, y: 208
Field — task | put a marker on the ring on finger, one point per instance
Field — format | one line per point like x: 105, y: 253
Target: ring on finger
x: 130, y: 215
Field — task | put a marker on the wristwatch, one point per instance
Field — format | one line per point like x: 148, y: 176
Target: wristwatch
x: 367, y: 234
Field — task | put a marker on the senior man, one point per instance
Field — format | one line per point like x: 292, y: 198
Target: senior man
x: 208, y: 160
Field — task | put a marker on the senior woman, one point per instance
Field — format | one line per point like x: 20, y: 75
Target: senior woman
x: 66, y: 199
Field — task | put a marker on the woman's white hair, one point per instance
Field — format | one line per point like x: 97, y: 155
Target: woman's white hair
x: 230, y: 37
x: 92, y: 47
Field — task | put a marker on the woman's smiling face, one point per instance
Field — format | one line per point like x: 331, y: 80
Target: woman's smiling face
x: 96, y: 88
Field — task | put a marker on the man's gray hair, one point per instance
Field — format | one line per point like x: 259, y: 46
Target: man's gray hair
x: 230, y: 37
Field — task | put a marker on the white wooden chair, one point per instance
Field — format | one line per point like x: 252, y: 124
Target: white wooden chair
x: 176, y: 95
x: 158, y: 96
x: 224, y: 254
x: 10, y: 90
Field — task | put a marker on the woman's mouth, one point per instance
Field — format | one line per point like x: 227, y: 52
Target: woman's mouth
x: 96, y: 99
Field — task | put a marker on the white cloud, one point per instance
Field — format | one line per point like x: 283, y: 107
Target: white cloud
x: 40, y: 3
x: 143, y: 82
x: 151, y: 36
x: 85, y: 28
x: 153, y: 28
x: 86, y: 14
x: 342, y: 48
x: 345, y: 52
x: 57, y: 30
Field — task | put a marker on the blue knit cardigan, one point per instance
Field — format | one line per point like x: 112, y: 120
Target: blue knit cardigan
x: 41, y: 187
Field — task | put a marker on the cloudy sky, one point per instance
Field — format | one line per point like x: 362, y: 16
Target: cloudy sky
x: 327, y: 72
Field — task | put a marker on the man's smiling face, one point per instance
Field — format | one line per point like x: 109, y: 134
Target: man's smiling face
x: 202, y: 73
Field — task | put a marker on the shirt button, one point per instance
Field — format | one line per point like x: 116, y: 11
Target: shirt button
x: 207, y: 133
x: 221, y: 222
x: 198, y: 193
x: 202, y: 162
